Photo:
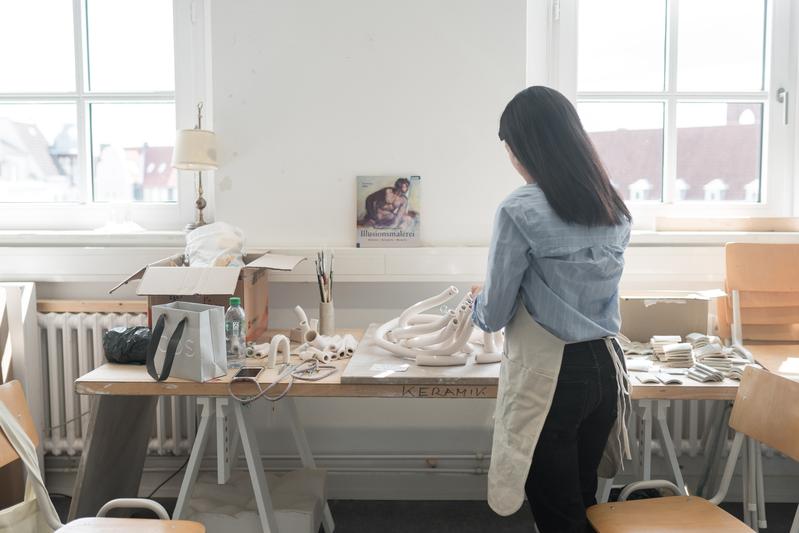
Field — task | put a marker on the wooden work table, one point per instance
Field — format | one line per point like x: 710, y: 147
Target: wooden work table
x: 133, y: 380
x: 129, y: 380
x: 125, y: 396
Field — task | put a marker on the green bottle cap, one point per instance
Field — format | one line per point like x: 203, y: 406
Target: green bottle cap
x: 235, y: 300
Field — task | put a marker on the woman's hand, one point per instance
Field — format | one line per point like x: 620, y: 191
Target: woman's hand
x: 476, y: 289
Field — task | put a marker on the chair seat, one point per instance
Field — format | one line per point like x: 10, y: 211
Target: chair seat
x: 674, y: 514
x: 781, y: 358
x: 130, y: 525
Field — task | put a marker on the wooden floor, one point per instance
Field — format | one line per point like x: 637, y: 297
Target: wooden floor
x: 358, y: 516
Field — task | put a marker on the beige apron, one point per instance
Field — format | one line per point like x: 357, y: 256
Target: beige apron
x: 527, y: 380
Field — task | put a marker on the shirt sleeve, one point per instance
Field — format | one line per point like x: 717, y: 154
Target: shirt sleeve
x: 507, y: 263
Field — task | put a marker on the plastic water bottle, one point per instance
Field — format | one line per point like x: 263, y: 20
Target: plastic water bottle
x: 235, y: 333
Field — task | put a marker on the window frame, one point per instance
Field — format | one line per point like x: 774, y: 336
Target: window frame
x: 779, y: 196
x: 191, y: 30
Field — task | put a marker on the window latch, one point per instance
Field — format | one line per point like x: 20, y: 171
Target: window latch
x: 782, y: 97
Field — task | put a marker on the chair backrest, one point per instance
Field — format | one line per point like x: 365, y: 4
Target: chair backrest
x: 766, y: 277
x: 767, y: 409
x: 13, y: 397
x: 4, y: 336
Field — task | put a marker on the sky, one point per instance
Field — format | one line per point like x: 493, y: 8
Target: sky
x: 132, y: 50
x: 720, y: 48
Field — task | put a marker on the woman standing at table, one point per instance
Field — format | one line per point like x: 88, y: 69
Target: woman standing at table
x: 556, y: 257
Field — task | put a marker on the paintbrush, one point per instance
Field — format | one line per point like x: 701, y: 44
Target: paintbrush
x: 319, y: 281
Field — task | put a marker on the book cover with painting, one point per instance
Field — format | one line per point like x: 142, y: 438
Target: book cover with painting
x: 388, y: 211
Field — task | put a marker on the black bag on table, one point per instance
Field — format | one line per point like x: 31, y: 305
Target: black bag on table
x: 127, y: 345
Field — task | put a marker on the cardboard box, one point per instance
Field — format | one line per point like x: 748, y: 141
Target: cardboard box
x: 648, y: 313
x: 168, y: 280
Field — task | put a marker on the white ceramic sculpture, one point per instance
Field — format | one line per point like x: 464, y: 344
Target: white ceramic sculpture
x: 439, y: 340
x: 279, y: 346
x: 306, y: 331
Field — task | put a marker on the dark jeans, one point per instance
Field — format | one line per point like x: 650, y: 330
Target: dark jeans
x: 562, y: 481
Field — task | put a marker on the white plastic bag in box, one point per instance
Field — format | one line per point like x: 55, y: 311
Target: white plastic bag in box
x: 215, y: 245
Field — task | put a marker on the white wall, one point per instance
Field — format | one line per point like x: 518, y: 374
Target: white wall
x: 309, y: 94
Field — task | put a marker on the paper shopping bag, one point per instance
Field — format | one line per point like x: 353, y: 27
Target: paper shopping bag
x: 188, y: 342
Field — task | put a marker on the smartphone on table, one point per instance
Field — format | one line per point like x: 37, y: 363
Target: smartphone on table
x: 248, y: 372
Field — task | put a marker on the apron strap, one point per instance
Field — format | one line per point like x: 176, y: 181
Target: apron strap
x: 622, y: 398
x: 24, y: 447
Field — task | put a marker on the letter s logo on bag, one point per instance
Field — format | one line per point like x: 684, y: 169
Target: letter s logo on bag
x: 187, y: 349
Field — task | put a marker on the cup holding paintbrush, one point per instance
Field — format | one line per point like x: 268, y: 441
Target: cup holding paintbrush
x: 324, y: 277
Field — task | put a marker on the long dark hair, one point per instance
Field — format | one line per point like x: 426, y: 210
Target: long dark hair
x: 545, y: 134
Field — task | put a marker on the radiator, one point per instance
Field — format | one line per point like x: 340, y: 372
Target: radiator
x: 71, y: 345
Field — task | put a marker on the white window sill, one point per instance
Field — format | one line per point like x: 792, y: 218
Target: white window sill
x: 172, y: 239
x: 79, y: 238
x: 687, y: 259
x: 709, y: 238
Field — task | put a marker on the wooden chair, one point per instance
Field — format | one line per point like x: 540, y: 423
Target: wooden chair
x: 767, y: 410
x: 12, y: 396
x: 761, y: 314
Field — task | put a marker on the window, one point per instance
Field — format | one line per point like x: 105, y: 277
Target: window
x: 680, y: 99
x: 86, y: 101
x: 88, y: 110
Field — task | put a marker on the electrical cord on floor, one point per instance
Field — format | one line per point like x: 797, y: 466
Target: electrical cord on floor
x: 164, y: 482
x: 51, y: 428
x: 176, y: 472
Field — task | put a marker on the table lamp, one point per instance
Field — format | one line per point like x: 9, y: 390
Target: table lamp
x: 196, y: 150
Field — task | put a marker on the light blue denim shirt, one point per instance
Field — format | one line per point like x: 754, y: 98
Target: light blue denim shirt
x: 567, y: 274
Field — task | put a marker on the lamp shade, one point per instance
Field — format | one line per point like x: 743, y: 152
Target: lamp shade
x: 195, y: 150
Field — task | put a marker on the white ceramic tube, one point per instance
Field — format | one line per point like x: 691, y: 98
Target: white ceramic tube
x: 301, y: 316
x: 424, y: 318
x: 395, y: 349
x: 424, y: 305
x: 326, y: 342
x: 338, y: 346
x: 411, y: 353
x: 460, y: 340
x: 258, y: 350
x: 319, y: 355
x: 309, y: 335
x: 409, y: 332
x: 350, y: 343
x: 441, y: 360
x: 483, y: 358
x: 280, y: 345
x: 490, y: 342
x: 437, y: 337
